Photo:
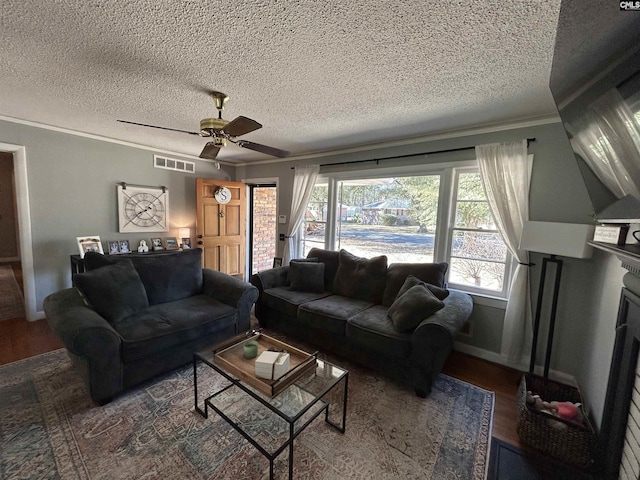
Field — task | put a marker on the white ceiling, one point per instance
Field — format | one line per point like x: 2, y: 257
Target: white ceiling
x: 319, y: 75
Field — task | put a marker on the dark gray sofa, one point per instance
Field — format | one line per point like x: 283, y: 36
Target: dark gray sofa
x: 135, y: 316
x: 348, y: 312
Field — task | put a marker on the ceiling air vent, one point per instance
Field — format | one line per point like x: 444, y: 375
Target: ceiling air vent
x: 174, y: 164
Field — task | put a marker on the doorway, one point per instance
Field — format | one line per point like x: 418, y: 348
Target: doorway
x: 263, y: 216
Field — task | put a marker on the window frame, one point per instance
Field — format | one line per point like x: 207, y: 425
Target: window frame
x: 448, y: 172
x: 451, y: 229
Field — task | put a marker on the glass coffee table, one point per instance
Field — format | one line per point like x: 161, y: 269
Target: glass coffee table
x: 270, y: 414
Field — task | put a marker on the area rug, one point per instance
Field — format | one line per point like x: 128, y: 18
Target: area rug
x: 50, y: 428
x: 11, y: 300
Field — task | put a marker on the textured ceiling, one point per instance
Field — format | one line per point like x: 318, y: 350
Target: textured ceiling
x: 319, y: 75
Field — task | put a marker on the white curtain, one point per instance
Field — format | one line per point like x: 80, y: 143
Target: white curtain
x: 505, y: 170
x: 607, y: 137
x: 303, y: 182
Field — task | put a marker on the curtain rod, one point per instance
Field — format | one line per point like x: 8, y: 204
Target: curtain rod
x: 405, y: 156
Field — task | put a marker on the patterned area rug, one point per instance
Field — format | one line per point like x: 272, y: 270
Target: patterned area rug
x: 11, y: 300
x: 49, y: 428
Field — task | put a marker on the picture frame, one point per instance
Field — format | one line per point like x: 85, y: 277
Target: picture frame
x: 89, y: 243
x: 186, y: 243
x: 124, y: 246
x: 171, y: 243
x: 156, y: 244
x: 113, y: 247
x: 277, y: 262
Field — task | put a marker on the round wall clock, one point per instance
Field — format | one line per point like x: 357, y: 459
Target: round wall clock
x: 143, y: 209
x: 222, y: 195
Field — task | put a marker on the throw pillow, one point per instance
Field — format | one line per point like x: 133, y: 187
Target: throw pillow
x: 433, y: 273
x: 307, y: 276
x: 360, y: 278
x: 302, y: 260
x: 115, y: 291
x: 440, y: 293
x: 412, y: 307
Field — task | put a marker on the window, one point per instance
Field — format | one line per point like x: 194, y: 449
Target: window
x: 314, y: 224
x: 478, y: 257
x: 436, y: 215
x: 395, y: 217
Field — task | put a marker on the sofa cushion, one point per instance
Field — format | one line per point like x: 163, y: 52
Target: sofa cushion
x: 161, y: 327
x: 330, y: 260
x: 330, y: 313
x: 166, y: 277
x: 114, y: 291
x: 397, y: 273
x: 411, y: 281
x: 361, y: 278
x: 307, y: 277
x: 372, y: 330
x: 286, y: 301
x: 412, y: 307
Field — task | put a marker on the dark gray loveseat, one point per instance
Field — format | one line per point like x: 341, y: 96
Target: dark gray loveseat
x: 142, y: 315
x: 348, y: 311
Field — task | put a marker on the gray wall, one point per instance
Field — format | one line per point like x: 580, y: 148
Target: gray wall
x: 590, y: 288
x: 72, y: 192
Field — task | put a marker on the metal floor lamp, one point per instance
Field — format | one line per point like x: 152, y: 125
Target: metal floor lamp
x: 554, y: 239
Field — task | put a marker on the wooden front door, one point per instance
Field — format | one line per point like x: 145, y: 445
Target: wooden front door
x: 221, y: 227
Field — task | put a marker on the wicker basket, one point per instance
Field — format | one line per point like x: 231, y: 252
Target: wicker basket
x: 572, y: 444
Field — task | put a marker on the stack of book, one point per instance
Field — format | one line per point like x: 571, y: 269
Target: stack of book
x: 272, y: 365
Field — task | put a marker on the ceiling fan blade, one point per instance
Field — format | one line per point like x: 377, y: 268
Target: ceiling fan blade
x: 274, y: 152
x: 241, y: 126
x: 210, y: 151
x: 162, y: 128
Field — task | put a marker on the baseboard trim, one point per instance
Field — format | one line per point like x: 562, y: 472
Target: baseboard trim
x: 494, y: 357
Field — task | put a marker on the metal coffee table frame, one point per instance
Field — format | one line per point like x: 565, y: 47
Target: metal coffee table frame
x: 204, y: 355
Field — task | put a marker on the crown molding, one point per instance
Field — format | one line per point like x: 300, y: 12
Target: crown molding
x: 415, y: 140
x: 326, y: 153
x: 92, y: 136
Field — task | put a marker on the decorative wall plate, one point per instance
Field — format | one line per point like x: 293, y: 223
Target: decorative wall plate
x: 222, y: 195
x: 143, y: 209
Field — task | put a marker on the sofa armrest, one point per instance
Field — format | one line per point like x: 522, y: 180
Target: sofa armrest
x: 274, y: 277
x: 232, y: 291
x: 92, y: 343
x: 432, y: 340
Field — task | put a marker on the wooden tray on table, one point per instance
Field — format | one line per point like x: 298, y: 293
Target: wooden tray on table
x: 231, y: 359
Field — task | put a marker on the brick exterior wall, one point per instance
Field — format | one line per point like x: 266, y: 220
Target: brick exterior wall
x: 264, y: 228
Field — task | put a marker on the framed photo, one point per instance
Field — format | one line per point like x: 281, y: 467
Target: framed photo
x: 113, y: 246
x: 90, y: 243
x: 186, y: 243
x: 124, y: 246
x: 277, y: 262
x: 171, y: 243
x: 156, y: 244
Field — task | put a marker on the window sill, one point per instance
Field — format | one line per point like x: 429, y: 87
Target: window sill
x: 486, y: 300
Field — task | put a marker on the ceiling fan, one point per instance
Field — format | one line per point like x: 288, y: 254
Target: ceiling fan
x: 221, y: 131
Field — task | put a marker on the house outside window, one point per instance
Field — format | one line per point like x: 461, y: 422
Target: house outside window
x: 437, y: 215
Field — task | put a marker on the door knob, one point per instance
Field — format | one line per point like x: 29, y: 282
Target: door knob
x: 200, y: 242
x: 199, y: 236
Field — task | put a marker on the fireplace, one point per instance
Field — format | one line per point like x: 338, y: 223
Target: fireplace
x: 620, y: 434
